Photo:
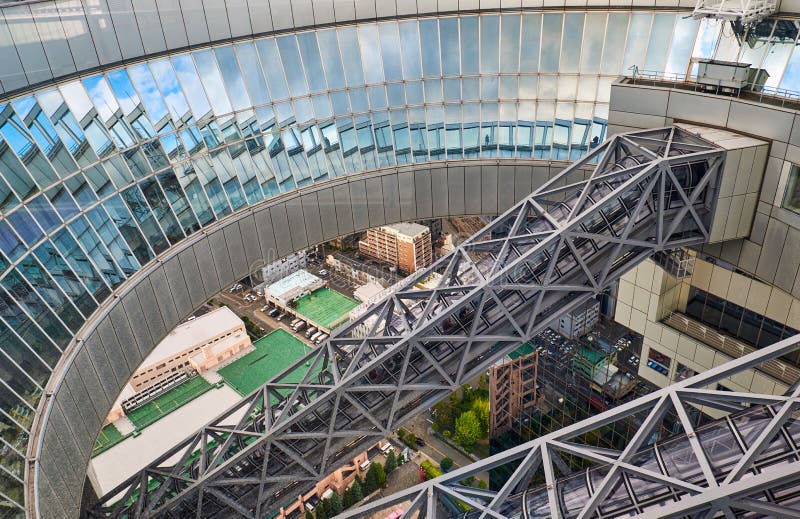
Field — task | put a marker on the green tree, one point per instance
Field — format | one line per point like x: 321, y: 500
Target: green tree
x: 309, y: 515
x: 480, y: 406
x: 468, y: 429
x: 446, y: 464
x: 431, y: 471
x: 358, y: 492
x: 336, y: 504
x: 371, y: 483
x: 391, y: 462
x: 380, y: 475
x: 411, y: 440
x: 445, y: 413
x: 321, y: 513
x: 348, y: 500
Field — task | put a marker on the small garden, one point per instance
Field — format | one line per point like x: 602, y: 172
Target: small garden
x: 374, y: 479
x: 463, y: 418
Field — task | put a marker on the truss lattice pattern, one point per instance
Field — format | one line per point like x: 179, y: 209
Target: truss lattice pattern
x: 744, y: 464
x: 635, y: 195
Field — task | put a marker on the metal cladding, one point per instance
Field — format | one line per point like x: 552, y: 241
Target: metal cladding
x: 645, y: 192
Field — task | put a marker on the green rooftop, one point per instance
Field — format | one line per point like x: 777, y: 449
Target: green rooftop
x: 525, y: 349
x: 108, y: 437
x: 154, y: 411
x: 325, y: 306
x: 273, y: 354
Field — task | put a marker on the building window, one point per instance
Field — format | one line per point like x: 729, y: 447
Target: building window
x: 658, y: 361
x: 791, y: 197
x: 683, y: 372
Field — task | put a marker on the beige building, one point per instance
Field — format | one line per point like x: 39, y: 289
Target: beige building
x: 706, y: 319
x: 406, y: 246
x: 194, y: 346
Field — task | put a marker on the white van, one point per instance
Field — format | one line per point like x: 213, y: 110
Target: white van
x: 321, y: 338
x: 299, y: 327
x: 311, y: 331
x: 294, y: 323
x: 316, y: 336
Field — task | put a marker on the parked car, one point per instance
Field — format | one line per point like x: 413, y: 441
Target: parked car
x: 299, y: 327
x: 294, y: 323
x: 274, y: 312
x: 420, y: 442
x: 321, y: 338
x: 315, y: 336
x: 311, y: 331
x: 280, y: 317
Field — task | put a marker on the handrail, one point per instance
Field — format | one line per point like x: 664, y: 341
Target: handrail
x: 751, y: 91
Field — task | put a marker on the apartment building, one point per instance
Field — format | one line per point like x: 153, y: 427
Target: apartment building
x: 406, y: 246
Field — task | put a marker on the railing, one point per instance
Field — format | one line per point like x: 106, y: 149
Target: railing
x: 733, y: 348
x: 751, y: 91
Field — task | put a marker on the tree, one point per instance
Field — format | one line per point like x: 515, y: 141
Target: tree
x: 336, y: 504
x: 358, y: 492
x: 411, y: 440
x: 309, y: 515
x: 430, y: 470
x: 468, y: 429
x: 391, y: 462
x: 380, y: 475
x: 446, y: 464
x: 348, y: 499
x: 321, y: 514
x: 371, y: 483
x: 481, y: 409
x: 445, y: 413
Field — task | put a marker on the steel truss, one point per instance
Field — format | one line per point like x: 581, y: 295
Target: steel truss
x: 635, y: 195
x: 744, y: 462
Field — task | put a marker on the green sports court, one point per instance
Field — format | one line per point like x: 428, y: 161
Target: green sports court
x: 109, y: 437
x: 153, y: 411
x: 274, y: 353
x: 325, y: 306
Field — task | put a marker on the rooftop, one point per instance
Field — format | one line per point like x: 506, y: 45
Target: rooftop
x: 196, y: 331
x: 406, y: 229
x: 295, y: 280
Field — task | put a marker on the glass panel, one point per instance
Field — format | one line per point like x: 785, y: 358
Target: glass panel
x: 509, y: 44
x: 95, y: 250
x: 192, y: 87
x: 370, y: 53
x: 232, y: 76
x: 38, y: 278
x: 312, y: 61
x: 212, y: 80
x: 448, y: 28
x: 615, y: 43
x: 682, y: 42
x: 658, y: 48
x: 348, y: 42
x: 490, y: 42
x: 171, y: 90
x: 638, y: 34
x: 292, y: 66
x: 409, y: 41
x: 38, y: 312
x: 551, y: 42
x: 123, y: 221
x: 469, y: 45
x: 571, y: 42
x: 329, y: 47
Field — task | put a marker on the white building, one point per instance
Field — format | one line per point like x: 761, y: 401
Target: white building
x: 580, y: 321
x: 284, y: 266
x: 294, y: 286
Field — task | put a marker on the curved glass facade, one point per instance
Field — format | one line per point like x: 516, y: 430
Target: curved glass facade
x: 100, y: 175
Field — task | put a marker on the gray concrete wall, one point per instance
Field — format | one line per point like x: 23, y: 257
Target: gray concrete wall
x: 122, y: 333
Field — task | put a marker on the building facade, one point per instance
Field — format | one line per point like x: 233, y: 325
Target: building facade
x: 406, y: 246
x: 149, y: 156
x: 283, y: 267
x: 513, y: 390
x: 580, y: 321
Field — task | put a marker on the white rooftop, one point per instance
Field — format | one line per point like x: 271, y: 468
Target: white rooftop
x: 406, y: 229
x: 365, y: 292
x: 196, y: 331
x: 295, y: 280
